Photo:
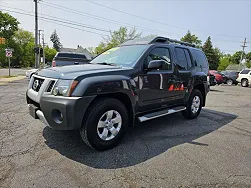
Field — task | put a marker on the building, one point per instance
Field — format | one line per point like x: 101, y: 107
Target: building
x: 79, y: 49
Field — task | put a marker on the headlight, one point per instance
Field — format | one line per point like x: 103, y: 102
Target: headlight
x: 64, y: 87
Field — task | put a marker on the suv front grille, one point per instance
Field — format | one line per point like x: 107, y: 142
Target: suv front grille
x: 37, y: 83
x: 50, y: 86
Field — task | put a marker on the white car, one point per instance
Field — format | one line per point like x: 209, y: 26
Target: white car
x: 244, y: 77
x: 30, y: 72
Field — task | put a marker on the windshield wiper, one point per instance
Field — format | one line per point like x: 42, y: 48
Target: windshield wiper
x: 104, y: 63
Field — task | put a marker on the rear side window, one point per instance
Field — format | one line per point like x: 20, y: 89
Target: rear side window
x: 245, y: 72
x: 200, y: 58
x: 184, y: 59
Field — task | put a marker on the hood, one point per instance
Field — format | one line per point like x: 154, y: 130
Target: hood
x: 74, y: 71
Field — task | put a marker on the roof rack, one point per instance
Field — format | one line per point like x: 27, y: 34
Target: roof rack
x: 168, y: 40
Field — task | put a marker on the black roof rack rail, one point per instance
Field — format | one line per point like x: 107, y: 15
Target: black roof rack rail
x: 168, y: 40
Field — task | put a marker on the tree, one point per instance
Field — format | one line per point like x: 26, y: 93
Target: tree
x: 212, y: 57
x: 49, y: 53
x: 116, y: 38
x: 24, y: 48
x: 55, y: 40
x: 236, y: 57
x: 193, y: 39
x: 248, y: 56
x: 248, y: 60
x: 224, y: 62
x: 8, y: 25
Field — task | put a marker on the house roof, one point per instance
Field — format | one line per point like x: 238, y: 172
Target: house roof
x: 235, y: 67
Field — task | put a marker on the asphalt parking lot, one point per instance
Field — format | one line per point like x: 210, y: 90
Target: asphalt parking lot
x: 13, y: 72
x: 213, y: 150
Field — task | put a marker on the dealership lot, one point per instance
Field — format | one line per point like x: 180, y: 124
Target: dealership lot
x: 213, y: 150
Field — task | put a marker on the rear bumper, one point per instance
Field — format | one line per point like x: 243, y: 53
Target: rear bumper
x: 62, y: 113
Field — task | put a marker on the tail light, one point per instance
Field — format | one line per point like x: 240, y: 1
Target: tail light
x: 208, y: 76
x: 237, y: 75
x: 53, y: 64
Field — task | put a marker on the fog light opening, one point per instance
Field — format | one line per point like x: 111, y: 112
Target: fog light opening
x: 57, y: 116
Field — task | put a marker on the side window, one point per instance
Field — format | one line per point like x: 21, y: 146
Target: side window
x: 244, y: 72
x: 160, y: 54
x: 181, y: 57
x: 188, y: 57
x: 200, y: 58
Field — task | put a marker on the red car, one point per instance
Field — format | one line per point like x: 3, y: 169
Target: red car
x: 218, y: 76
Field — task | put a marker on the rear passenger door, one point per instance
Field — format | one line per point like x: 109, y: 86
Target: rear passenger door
x: 184, y: 66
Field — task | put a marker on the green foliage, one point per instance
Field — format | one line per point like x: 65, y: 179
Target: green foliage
x: 8, y: 25
x: 248, y: 60
x: 212, y: 56
x: 224, y: 62
x: 248, y: 56
x: 55, y: 40
x: 236, y: 57
x: 24, y: 48
x: 49, y: 53
x: 193, y: 39
x: 116, y: 38
x: 248, y: 64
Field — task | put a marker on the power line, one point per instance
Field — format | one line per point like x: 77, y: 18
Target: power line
x: 57, y: 20
x: 155, y: 20
x: 63, y: 20
x: 94, y: 17
x: 102, y: 18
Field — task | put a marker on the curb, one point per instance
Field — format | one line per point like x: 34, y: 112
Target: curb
x: 4, y: 81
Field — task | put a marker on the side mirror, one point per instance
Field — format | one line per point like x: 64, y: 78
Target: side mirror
x: 155, y: 64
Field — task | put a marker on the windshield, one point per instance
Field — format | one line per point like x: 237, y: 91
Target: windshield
x: 124, y: 56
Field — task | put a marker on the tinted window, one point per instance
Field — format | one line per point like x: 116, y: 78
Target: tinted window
x: 188, y: 57
x: 71, y: 55
x: 160, y: 54
x: 200, y: 58
x: 245, y: 72
x: 233, y: 73
x: 182, y: 60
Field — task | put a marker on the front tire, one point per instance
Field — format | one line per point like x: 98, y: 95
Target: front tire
x: 244, y: 83
x: 194, y: 105
x: 104, y: 124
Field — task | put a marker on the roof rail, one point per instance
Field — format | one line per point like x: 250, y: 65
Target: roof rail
x: 168, y: 40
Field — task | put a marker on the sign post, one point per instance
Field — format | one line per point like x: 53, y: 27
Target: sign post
x: 9, y: 55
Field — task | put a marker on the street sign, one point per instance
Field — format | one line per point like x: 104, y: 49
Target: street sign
x: 8, y: 53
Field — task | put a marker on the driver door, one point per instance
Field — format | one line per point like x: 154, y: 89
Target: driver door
x: 154, y: 90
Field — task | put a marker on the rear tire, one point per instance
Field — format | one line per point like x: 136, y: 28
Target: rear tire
x: 244, y: 83
x: 104, y: 124
x: 194, y: 105
x: 229, y: 82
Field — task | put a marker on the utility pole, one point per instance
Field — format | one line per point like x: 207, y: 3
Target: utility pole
x: 43, y: 50
x: 39, y: 45
x: 243, y: 49
x: 36, y: 37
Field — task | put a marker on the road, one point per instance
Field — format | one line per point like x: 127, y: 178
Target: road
x: 13, y: 72
x: 213, y: 150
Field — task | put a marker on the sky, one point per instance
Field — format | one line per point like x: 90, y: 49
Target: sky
x: 227, y: 22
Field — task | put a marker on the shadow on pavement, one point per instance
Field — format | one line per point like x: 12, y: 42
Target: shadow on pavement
x: 143, y: 142
x: 215, y: 90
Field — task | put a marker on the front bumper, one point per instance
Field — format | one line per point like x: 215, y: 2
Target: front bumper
x: 61, y: 113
